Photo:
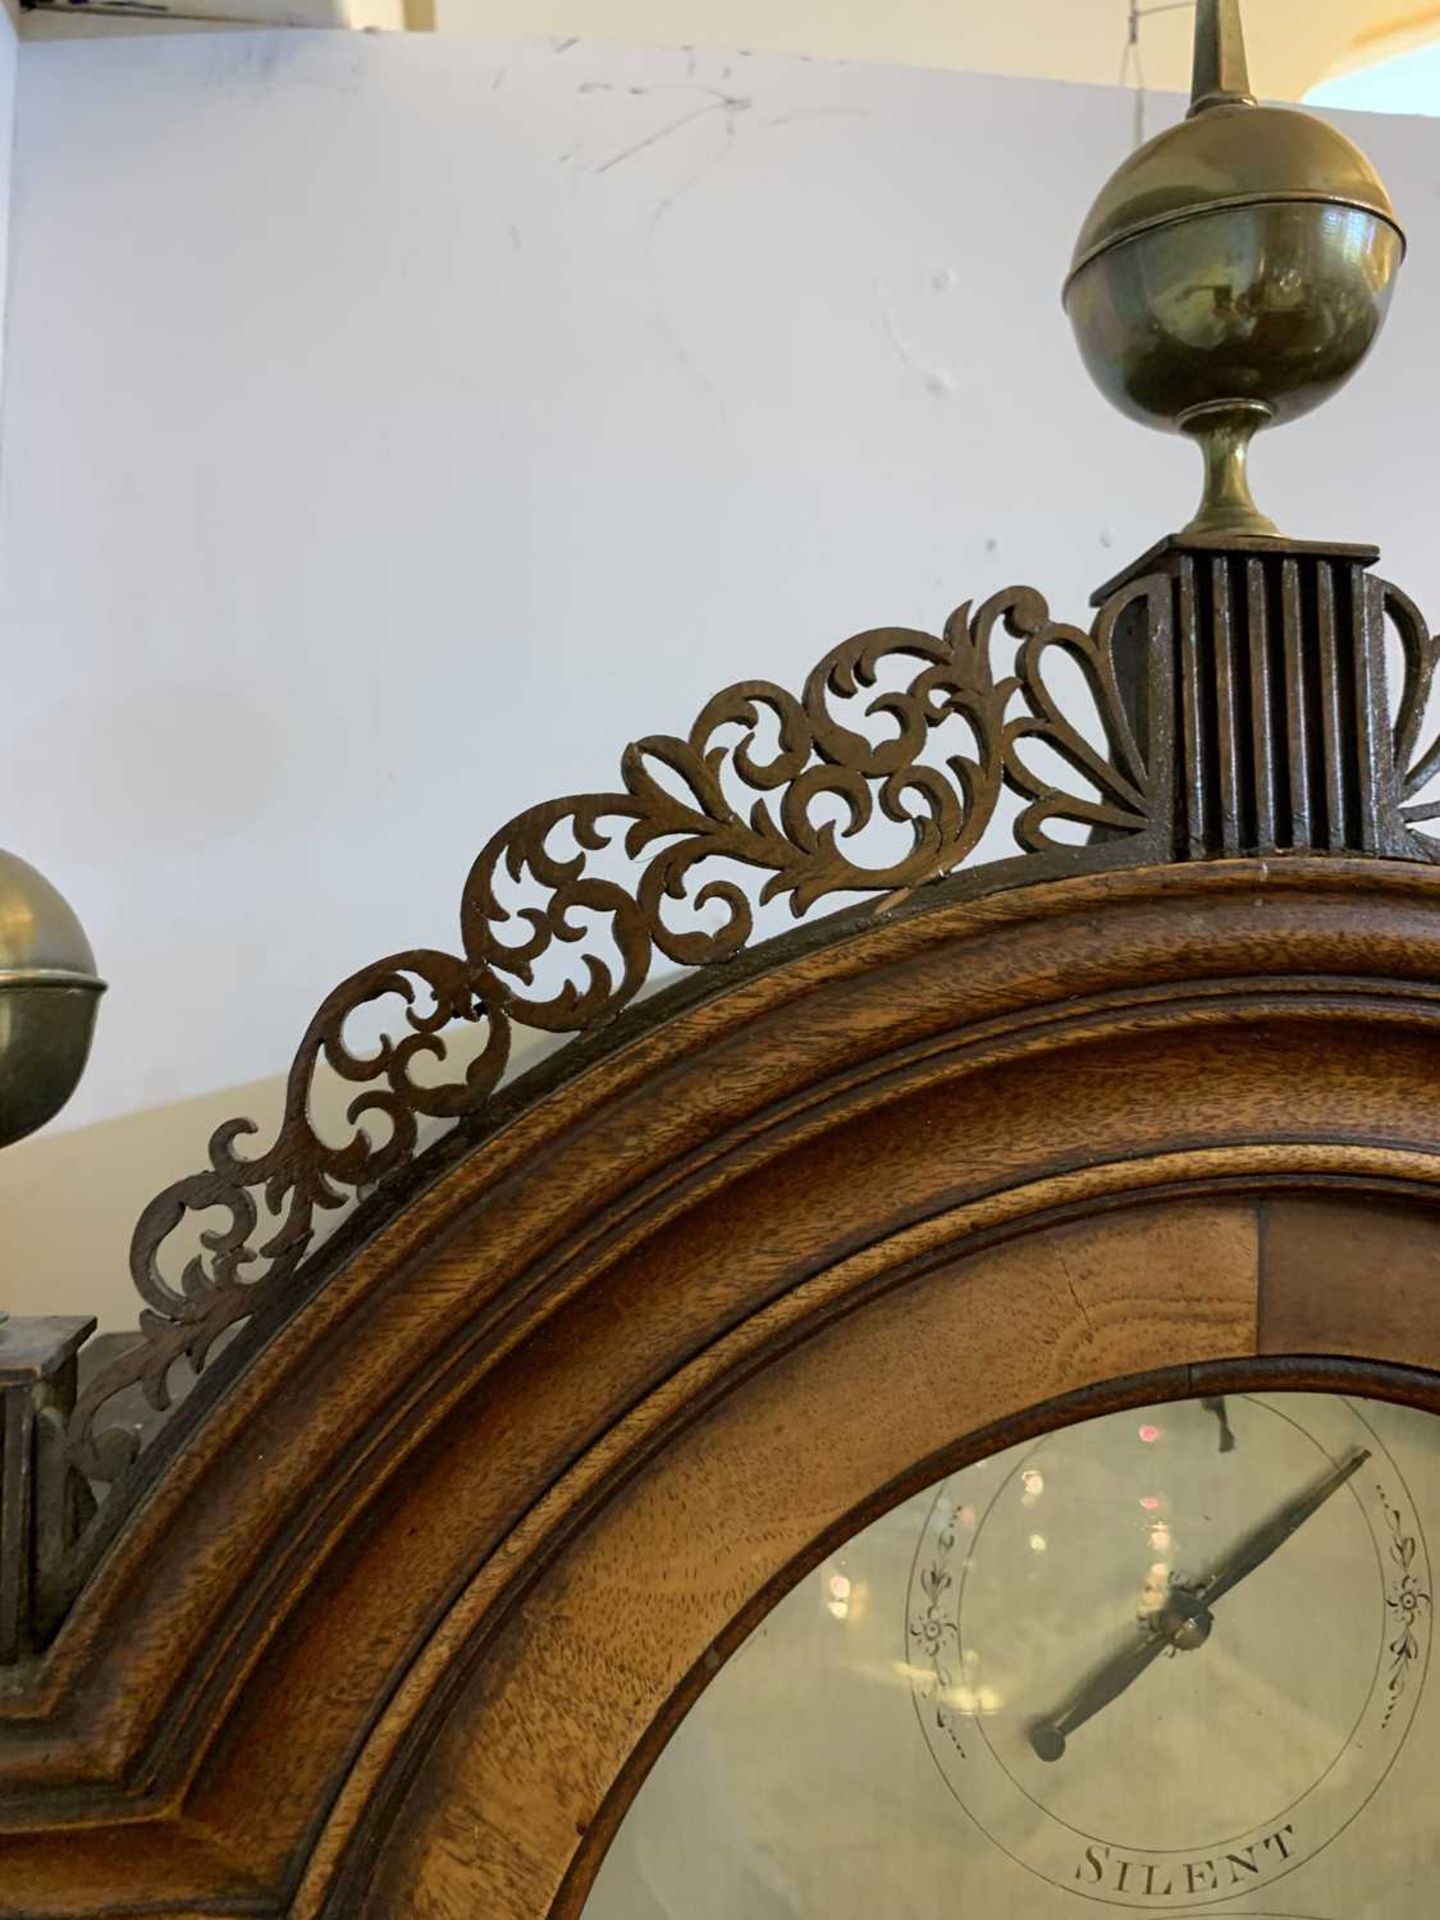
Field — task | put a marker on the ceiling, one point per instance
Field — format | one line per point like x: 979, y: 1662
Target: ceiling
x: 1293, y: 43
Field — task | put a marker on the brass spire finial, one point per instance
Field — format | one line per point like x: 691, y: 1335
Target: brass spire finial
x: 1222, y: 73
x: 1233, y: 273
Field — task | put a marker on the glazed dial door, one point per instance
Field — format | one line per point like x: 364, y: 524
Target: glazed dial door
x: 1166, y: 1661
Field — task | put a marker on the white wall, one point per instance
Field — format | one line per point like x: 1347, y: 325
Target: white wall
x: 395, y: 426
x: 9, y: 63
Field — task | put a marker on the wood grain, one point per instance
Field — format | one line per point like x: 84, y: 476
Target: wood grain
x: 361, y: 1557
x: 1343, y: 1279
x: 799, y: 1456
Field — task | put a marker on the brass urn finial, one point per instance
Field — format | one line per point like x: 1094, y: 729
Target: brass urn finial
x: 1233, y: 273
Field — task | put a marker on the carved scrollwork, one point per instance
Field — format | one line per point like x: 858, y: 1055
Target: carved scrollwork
x: 821, y: 783
x: 1119, y: 778
x: 1416, y: 766
x: 885, y: 774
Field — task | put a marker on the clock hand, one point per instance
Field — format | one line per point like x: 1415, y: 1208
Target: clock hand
x: 1183, y: 1623
x: 1257, y: 1546
x: 1186, y: 1619
x: 1216, y: 1405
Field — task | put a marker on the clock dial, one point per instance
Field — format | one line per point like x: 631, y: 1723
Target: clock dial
x: 1170, y: 1660
x: 1173, y: 1654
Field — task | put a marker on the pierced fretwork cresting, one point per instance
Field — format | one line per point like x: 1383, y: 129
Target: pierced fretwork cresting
x: 794, y: 789
x: 1227, y: 700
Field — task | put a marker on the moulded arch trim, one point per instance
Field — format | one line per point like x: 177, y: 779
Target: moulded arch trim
x: 533, y: 1759
x: 363, y: 1529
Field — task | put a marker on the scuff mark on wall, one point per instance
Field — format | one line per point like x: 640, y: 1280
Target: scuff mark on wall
x: 939, y: 381
x: 706, y: 166
x: 684, y: 359
x: 722, y: 103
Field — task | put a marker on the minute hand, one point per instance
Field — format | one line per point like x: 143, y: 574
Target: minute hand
x: 1256, y: 1547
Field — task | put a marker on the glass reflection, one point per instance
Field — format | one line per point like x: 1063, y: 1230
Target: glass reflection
x: 1058, y: 1682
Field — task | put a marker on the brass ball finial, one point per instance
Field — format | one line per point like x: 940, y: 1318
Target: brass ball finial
x: 48, y: 997
x: 1233, y: 273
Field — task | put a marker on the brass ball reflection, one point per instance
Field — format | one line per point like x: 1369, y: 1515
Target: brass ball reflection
x: 48, y: 998
x: 1233, y: 275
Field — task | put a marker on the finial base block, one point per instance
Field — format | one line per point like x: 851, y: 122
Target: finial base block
x: 43, y: 1501
x: 1272, y: 676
